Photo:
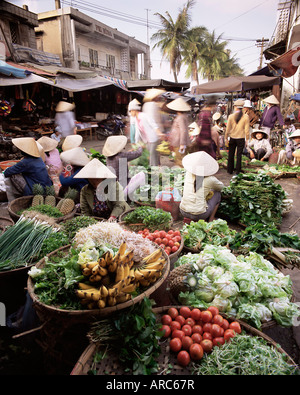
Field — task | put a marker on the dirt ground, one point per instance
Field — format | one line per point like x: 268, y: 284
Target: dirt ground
x: 24, y: 356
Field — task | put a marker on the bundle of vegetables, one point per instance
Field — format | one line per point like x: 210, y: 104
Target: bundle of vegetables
x: 252, y: 198
x: 247, y: 287
x: 133, y: 336
x: 245, y: 355
x: 22, y: 242
x: 44, y: 209
x: 71, y: 226
x: 150, y: 217
x: 197, y: 235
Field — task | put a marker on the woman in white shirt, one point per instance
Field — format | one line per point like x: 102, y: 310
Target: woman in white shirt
x: 201, y: 191
x: 259, y: 147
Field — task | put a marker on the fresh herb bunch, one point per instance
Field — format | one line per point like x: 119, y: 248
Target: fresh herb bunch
x: 52, y: 243
x: 134, y: 336
x: 253, y: 198
x: 47, y: 210
x: 71, y: 226
x: 97, y: 155
x: 152, y: 218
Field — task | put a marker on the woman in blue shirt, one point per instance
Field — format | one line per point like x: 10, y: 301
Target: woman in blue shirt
x: 29, y: 171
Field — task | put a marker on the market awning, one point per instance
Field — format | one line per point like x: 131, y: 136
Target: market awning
x: 236, y: 84
x: 78, y: 85
x: 148, y: 84
x: 11, y: 71
x: 287, y: 64
x: 30, y: 79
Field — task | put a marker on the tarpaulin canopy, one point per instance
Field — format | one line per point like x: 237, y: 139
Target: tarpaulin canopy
x: 30, y: 79
x: 236, y: 84
x: 11, y: 71
x: 287, y: 64
x: 148, y: 84
x: 78, y: 85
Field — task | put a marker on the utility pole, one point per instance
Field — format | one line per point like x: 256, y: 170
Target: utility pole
x: 261, y: 44
x: 147, y: 9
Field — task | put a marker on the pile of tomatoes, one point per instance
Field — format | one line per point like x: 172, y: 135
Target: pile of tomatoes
x: 169, y: 241
x: 193, y: 332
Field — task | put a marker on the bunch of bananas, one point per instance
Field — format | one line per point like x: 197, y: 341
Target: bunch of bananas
x: 115, y: 277
x: 163, y: 148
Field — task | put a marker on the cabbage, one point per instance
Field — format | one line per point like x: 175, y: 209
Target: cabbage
x: 213, y: 272
x: 285, y: 312
x: 205, y: 293
x: 264, y: 311
x: 249, y: 313
x: 224, y: 305
x: 88, y: 252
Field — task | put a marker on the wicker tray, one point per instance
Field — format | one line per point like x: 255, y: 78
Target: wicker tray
x: 167, y: 360
x: 46, y: 312
x: 24, y: 202
x: 141, y: 226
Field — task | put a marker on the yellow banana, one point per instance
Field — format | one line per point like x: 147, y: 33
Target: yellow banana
x: 112, y: 267
x: 95, y: 269
x: 111, y: 301
x: 91, y: 306
x: 122, y: 248
x: 91, y: 265
x: 85, y: 286
x: 153, y: 256
x: 138, y: 275
x: 126, y: 270
x: 123, y: 298
x: 118, y: 285
x: 95, y: 278
x: 103, y: 291
x: 144, y: 283
x: 129, y: 288
x: 102, y: 262
x: 101, y: 303
x: 102, y: 271
x: 112, y: 292
x: 86, y: 272
x: 108, y: 257
x: 119, y: 273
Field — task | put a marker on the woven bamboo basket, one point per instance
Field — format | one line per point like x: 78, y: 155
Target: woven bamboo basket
x: 141, y: 226
x: 24, y: 202
x: 167, y: 360
x: 4, y: 223
x: 70, y: 317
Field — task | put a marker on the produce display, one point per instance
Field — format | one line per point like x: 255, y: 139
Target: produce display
x: 246, y: 287
x: 73, y: 225
x: 150, y: 217
x: 169, y: 241
x: 197, y: 235
x: 252, y: 198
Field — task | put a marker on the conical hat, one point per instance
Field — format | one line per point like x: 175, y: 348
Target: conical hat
x: 179, y: 105
x: 72, y: 141
x: 259, y: 131
x: 113, y: 145
x: 200, y: 163
x: 75, y: 156
x: 134, y: 105
x: 271, y: 100
x: 27, y: 145
x: 195, y: 130
x: 95, y: 169
x: 296, y: 133
x: 47, y: 143
x: 216, y: 116
x: 41, y: 151
x: 65, y: 106
x: 153, y: 93
x: 239, y: 103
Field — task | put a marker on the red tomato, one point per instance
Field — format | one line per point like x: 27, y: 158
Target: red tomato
x: 175, y: 325
x: 176, y: 233
x: 165, y: 241
x: 173, y: 312
x: 166, y: 319
x: 183, y: 358
x: 217, y: 330
x: 196, y: 352
x: 162, y: 234
x: 185, y: 311
x: 176, y: 244
x: 190, y: 321
x: 170, y: 232
x: 171, y: 243
x: 217, y: 319
x: 175, y: 344
x: 218, y: 341
x: 168, y: 252
x: 177, y: 239
x: 150, y: 237
x: 196, y: 314
x: 228, y: 334
x: 178, y: 333
x: 174, y: 248
x: 207, y: 327
x: 197, y: 329
x: 235, y: 326
x: 214, y: 310
x: 187, y: 329
x: 180, y: 319
x: 157, y: 240
x: 155, y: 234
x: 196, y: 337
x: 207, y: 345
x: 167, y: 330
x: 140, y: 232
x: 206, y: 316
x: 225, y: 324
x: 207, y: 335
x: 162, y: 246
x: 187, y: 341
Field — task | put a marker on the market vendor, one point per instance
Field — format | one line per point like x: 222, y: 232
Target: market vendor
x: 73, y: 160
x: 293, y: 145
x: 271, y: 115
x: 103, y: 196
x: 65, y: 119
x: 259, y: 146
x: 201, y: 191
x: 21, y: 177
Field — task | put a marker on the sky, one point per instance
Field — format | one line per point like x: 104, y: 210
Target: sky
x: 240, y: 23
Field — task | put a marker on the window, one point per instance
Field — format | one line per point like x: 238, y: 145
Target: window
x: 110, y: 61
x: 93, y: 58
x: 14, y: 32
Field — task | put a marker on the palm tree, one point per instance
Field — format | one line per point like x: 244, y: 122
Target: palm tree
x: 171, y: 36
x: 212, y: 57
x: 193, y: 46
x: 231, y: 66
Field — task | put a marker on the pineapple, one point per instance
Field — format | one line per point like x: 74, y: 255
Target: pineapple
x: 67, y: 204
x: 177, y: 278
x: 38, y: 192
x: 50, y: 196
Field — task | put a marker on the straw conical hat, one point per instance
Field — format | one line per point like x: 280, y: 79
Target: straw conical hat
x: 113, y: 145
x: 239, y: 103
x: 216, y: 116
x: 41, y: 151
x: 65, y: 106
x: 271, y: 100
x: 200, y: 163
x: 75, y: 156
x: 296, y: 133
x: 259, y: 131
x: 95, y: 169
x: 195, y: 130
x: 134, y: 105
x: 179, y: 105
x: 153, y: 93
x: 72, y: 141
x: 27, y: 145
x: 47, y: 143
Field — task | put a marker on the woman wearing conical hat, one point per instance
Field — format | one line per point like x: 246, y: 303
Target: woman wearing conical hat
x: 29, y: 171
x: 103, y: 195
x: 271, y: 115
x: 65, y: 119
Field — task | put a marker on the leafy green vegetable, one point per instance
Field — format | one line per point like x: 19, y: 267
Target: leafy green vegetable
x: 47, y: 210
x: 97, y: 155
x: 53, y: 242
x: 71, y: 226
x: 152, y: 218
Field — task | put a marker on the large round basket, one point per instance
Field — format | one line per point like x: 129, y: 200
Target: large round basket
x: 141, y: 226
x: 167, y: 363
x: 4, y: 223
x: 69, y: 317
x: 24, y: 202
